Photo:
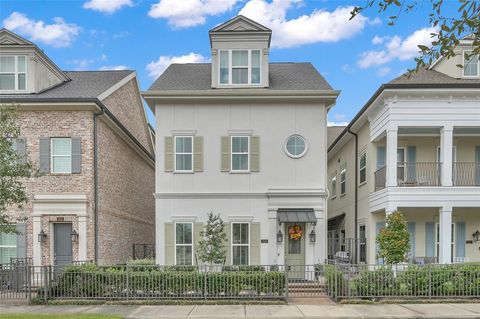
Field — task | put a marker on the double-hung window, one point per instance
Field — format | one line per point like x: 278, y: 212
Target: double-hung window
x: 240, y: 243
x: 8, y: 247
x: 334, y: 186
x: 240, y: 67
x: 183, y: 243
x: 343, y: 181
x: 183, y: 153
x: 61, y: 155
x: 13, y: 73
x: 470, y: 64
x: 240, y: 153
x: 363, y: 168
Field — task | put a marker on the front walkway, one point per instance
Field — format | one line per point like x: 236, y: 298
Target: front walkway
x: 265, y: 311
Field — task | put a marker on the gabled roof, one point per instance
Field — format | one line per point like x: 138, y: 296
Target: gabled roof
x: 283, y: 76
x: 332, y: 133
x: 7, y: 37
x: 427, y: 76
x: 240, y: 23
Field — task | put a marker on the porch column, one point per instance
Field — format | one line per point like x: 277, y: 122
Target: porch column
x: 391, y: 174
x: 446, y: 155
x: 37, y: 246
x: 82, y: 238
x: 445, y: 250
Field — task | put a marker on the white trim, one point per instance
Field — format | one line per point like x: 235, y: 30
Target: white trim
x: 360, y: 183
x: 463, y: 63
x: 230, y: 68
x: 244, y: 245
x: 183, y: 245
x: 16, y: 73
x: 184, y: 218
x: 344, y: 181
x: 182, y: 153
x: 240, y: 132
x: 239, y: 218
x: 53, y: 156
x: 305, y: 150
x: 453, y: 240
x: 184, y: 132
x: 334, y: 191
x: 232, y: 170
x: 271, y: 193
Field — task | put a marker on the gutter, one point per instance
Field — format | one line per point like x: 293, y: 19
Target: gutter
x: 356, y: 192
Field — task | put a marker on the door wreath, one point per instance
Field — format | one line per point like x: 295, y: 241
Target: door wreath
x: 295, y: 232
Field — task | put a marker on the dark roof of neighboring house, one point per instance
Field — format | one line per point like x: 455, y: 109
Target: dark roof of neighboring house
x: 332, y: 133
x: 83, y: 85
x: 283, y: 76
x: 426, y: 76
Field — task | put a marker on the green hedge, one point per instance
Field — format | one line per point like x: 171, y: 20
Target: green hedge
x: 91, y: 281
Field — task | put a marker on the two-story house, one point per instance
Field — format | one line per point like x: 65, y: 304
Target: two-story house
x: 87, y: 134
x: 244, y: 138
x: 414, y: 147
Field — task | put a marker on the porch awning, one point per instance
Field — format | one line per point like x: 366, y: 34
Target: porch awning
x: 302, y: 215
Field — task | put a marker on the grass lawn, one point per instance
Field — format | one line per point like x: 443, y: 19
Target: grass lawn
x: 56, y: 316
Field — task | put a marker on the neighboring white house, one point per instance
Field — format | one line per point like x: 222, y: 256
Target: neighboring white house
x: 416, y: 150
x: 247, y: 139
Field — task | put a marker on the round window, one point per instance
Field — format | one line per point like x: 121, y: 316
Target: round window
x: 296, y: 146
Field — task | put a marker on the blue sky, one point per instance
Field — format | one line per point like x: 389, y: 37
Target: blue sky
x: 355, y: 57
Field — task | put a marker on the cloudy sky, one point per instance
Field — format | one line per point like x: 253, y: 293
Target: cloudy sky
x: 354, y: 56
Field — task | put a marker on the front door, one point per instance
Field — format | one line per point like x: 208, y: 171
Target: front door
x: 295, y: 251
x: 62, y: 244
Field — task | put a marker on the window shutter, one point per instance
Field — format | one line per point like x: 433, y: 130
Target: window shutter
x: 44, y: 149
x: 460, y: 240
x: 21, y: 149
x: 411, y: 163
x: 430, y: 239
x: 255, y: 244
x: 411, y: 232
x: 76, y: 155
x: 169, y: 244
x: 378, y: 227
x: 198, y: 154
x: 225, y: 141
x: 197, y: 229
x: 228, y: 244
x: 255, y: 153
x: 22, y: 240
x: 169, y: 154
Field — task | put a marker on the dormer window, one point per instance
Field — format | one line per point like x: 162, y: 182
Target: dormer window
x: 470, y: 64
x: 13, y: 73
x: 240, y: 67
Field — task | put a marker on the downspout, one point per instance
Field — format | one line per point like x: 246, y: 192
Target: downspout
x: 355, y: 193
x: 95, y: 177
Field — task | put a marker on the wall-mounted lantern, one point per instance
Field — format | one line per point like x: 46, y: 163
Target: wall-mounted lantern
x: 279, y: 237
x: 312, y: 236
x: 476, y: 236
x: 42, y: 237
x: 74, y: 236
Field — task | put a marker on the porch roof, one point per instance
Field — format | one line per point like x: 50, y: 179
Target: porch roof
x: 301, y: 215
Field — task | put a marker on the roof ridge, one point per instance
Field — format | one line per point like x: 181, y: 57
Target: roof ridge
x: 86, y: 71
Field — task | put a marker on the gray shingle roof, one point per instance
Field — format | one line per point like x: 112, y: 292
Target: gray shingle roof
x: 426, y: 76
x: 332, y: 133
x: 83, y: 84
x: 283, y: 76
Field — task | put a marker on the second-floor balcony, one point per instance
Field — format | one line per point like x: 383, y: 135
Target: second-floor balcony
x: 428, y: 174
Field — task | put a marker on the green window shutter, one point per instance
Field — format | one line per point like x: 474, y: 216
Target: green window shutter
x: 228, y: 244
x: 76, y: 155
x: 254, y: 243
x: 169, y: 154
x: 255, y: 153
x: 198, y: 154
x: 197, y: 229
x: 430, y: 239
x: 225, y: 141
x: 169, y: 244
x: 460, y: 240
x: 44, y: 154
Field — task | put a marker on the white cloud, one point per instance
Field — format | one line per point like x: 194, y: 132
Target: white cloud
x: 107, y: 6
x: 318, y: 26
x: 156, y: 68
x: 337, y: 123
x: 114, y: 67
x: 57, y: 34
x: 82, y: 64
x: 396, y: 48
x: 383, y: 71
x: 378, y: 40
x: 188, y: 13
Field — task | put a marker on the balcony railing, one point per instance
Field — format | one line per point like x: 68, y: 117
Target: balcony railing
x: 466, y: 174
x: 380, y: 178
x: 418, y: 174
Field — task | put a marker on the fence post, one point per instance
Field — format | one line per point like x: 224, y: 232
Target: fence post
x: 128, y: 282
x: 429, y: 281
x: 348, y: 282
x: 286, y: 281
x: 205, y: 281
x: 336, y: 288
x: 45, y: 282
x: 28, y: 283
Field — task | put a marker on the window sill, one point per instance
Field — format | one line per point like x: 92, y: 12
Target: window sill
x: 333, y: 197
x: 342, y: 195
x: 240, y: 172
x: 183, y: 172
x: 361, y: 184
x: 60, y: 174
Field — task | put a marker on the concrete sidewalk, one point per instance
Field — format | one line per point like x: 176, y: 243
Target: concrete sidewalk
x: 452, y: 311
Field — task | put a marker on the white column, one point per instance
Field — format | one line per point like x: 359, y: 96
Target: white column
x: 272, y: 237
x: 445, y: 250
x: 37, y: 246
x: 446, y: 156
x: 391, y: 160
x: 82, y: 237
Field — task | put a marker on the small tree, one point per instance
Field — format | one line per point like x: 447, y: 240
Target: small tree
x: 394, y: 239
x: 13, y: 167
x: 211, y: 247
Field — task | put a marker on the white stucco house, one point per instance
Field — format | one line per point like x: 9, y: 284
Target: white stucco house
x: 244, y: 138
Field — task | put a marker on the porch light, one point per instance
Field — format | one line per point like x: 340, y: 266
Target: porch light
x: 74, y: 236
x: 312, y: 236
x: 42, y: 237
x: 279, y: 237
x: 476, y: 236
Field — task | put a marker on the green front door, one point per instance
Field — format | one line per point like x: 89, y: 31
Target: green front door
x: 295, y: 252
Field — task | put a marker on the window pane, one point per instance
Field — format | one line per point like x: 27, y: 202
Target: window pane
x: 471, y: 65
x: 224, y: 59
x: 240, y: 255
x: 240, y: 58
x: 7, y: 64
x: 240, y: 144
x: 183, y: 162
x: 224, y: 67
x: 21, y: 64
x: 184, y: 255
x: 61, y: 146
x: 295, y: 145
x: 363, y: 160
x: 400, y: 155
x: 179, y: 233
x: 62, y: 164
x: 244, y: 234
x: 235, y: 144
x: 7, y: 81
x: 244, y: 144
x: 363, y: 175
x: 179, y: 144
x: 22, y: 82
x: 8, y: 239
x: 294, y: 246
x: 255, y: 74
x: 240, y: 76
x: 239, y: 162
x: 183, y: 144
